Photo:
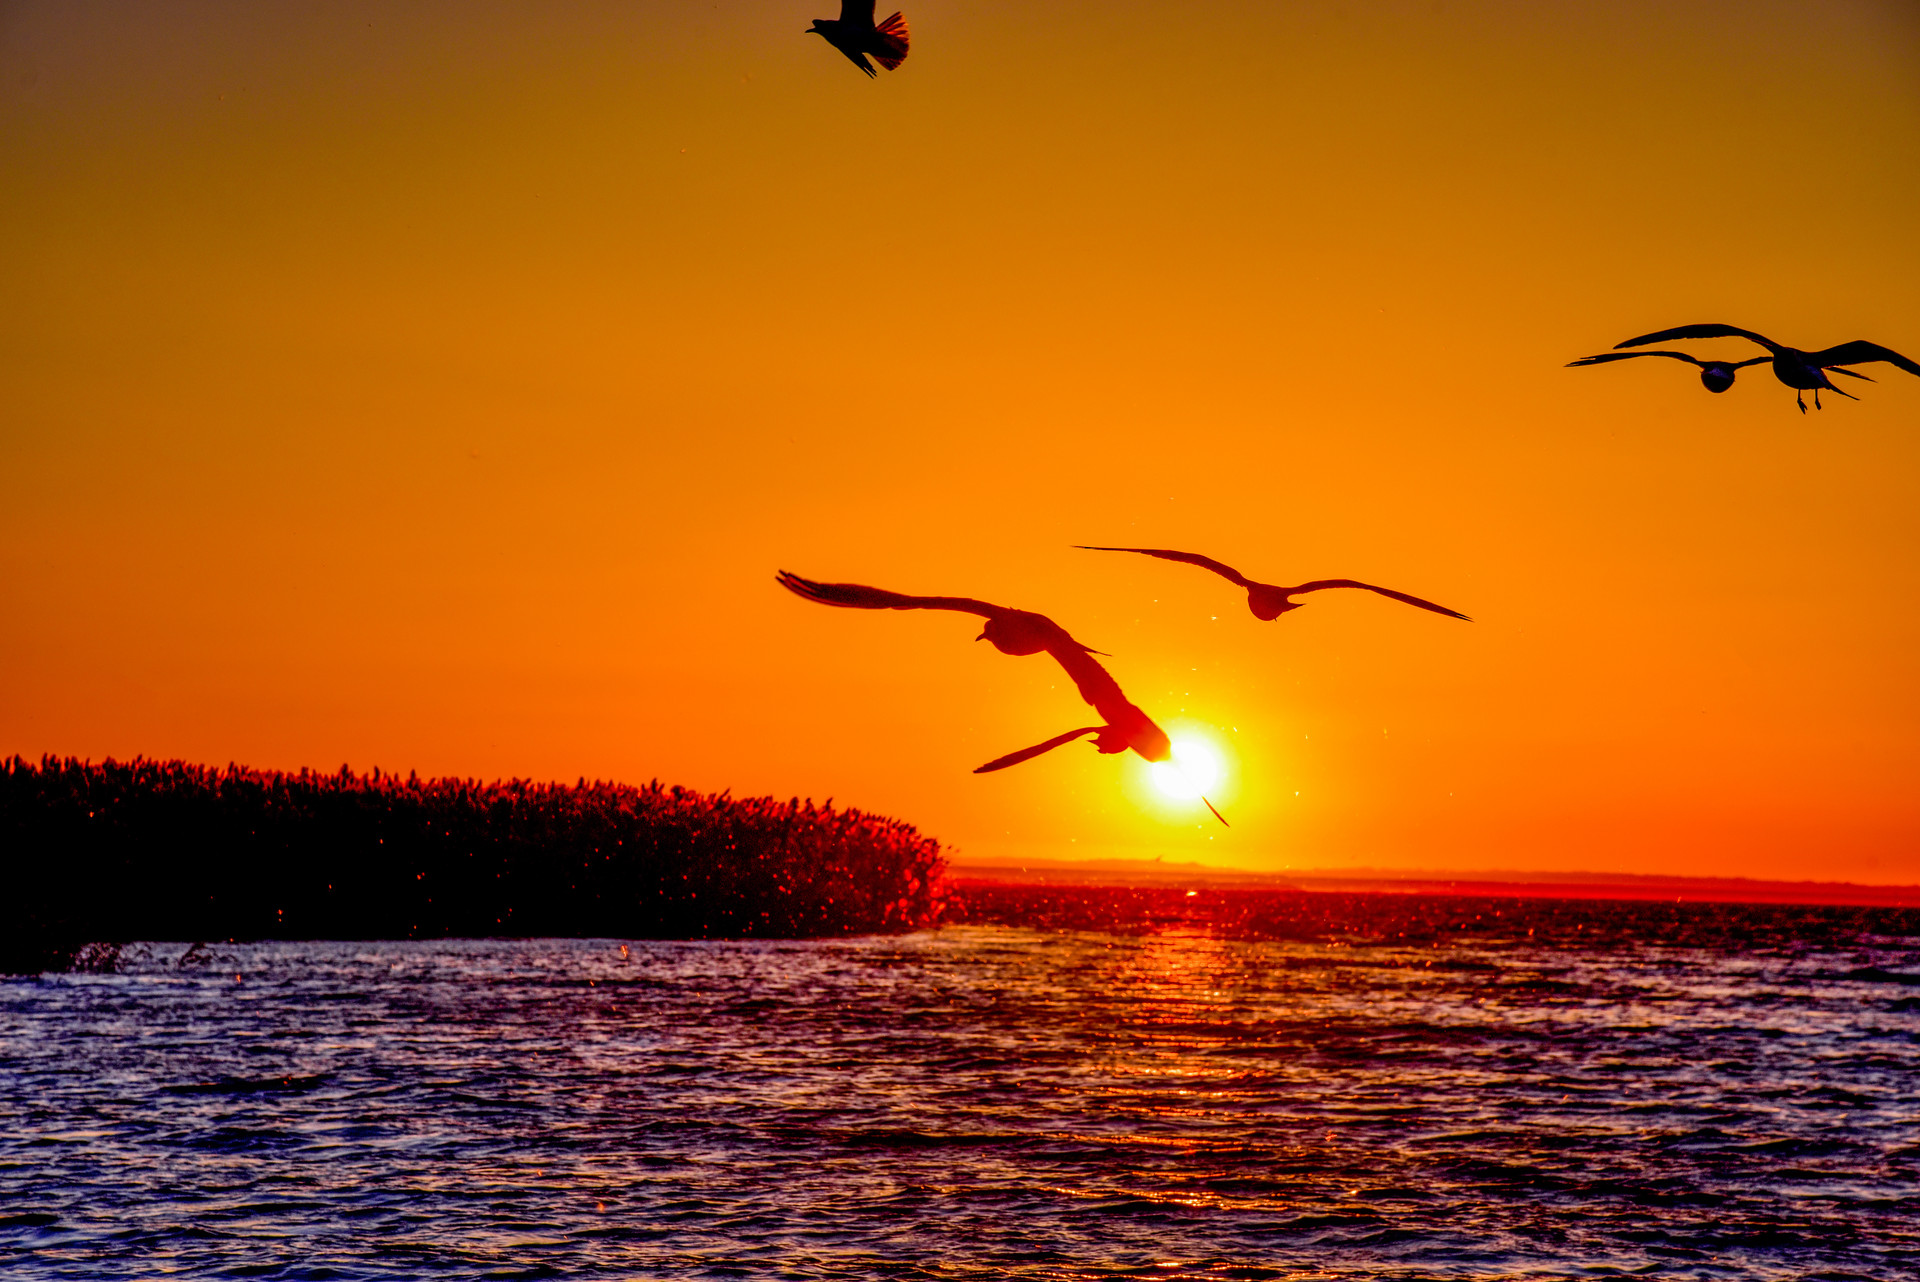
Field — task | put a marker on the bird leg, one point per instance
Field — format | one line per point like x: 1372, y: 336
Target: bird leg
x: 1816, y: 398
x: 1800, y: 399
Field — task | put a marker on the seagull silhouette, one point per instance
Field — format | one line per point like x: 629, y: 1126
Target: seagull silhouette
x: 1715, y: 376
x: 1268, y: 601
x: 1802, y: 371
x: 855, y: 34
x: 1021, y: 632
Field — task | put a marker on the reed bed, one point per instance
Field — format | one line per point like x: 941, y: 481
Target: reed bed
x: 96, y: 853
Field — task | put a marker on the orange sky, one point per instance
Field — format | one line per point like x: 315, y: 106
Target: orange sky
x: 438, y: 386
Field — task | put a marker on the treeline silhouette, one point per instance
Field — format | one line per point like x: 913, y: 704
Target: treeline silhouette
x: 170, y: 850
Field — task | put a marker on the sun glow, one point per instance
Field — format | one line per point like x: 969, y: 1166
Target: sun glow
x: 1196, y: 769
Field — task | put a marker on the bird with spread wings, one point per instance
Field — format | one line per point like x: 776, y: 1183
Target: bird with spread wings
x: 1269, y: 601
x: 1021, y: 632
x: 857, y: 35
x: 1803, y: 371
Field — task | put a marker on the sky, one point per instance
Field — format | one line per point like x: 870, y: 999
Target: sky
x: 439, y: 386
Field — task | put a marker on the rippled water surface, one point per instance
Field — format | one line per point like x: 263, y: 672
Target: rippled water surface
x: 977, y: 1102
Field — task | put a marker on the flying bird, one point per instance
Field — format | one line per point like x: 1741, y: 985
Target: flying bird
x: 1715, y: 376
x: 1021, y: 632
x: 855, y: 34
x: 1269, y: 601
x: 1802, y: 371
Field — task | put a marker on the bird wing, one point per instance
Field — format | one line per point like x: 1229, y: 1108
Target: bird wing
x: 858, y: 59
x: 1859, y: 352
x: 890, y: 43
x: 1096, y: 684
x: 1191, y: 558
x: 1841, y: 369
x: 1317, y: 584
x: 857, y: 13
x: 1604, y: 357
x: 856, y: 596
x: 1028, y: 754
x: 1700, y: 331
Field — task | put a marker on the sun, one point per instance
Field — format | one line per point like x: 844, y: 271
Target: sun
x: 1195, y: 770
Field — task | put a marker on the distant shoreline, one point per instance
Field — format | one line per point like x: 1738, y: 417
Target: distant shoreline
x: 1481, y: 884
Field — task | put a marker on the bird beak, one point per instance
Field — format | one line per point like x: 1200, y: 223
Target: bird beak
x: 981, y: 637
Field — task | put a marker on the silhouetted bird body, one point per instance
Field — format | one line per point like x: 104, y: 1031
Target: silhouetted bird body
x: 1715, y: 376
x: 855, y: 34
x: 1802, y: 371
x: 1021, y: 632
x: 1269, y: 601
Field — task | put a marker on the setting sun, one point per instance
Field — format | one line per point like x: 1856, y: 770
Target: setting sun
x: 1196, y: 768
x: 1216, y: 638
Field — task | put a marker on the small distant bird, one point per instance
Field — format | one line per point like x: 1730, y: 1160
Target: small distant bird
x: 1021, y: 632
x: 1715, y: 376
x: 855, y: 34
x: 1802, y: 371
x: 1269, y: 601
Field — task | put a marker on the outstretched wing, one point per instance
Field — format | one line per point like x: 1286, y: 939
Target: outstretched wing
x: 1028, y: 754
x: 857, y: 596
x: 1700, y: 331
x: 1095, y: 683
x: 1859, y: 352
x: 1605, y: 357
x: 1317, y: 584
x: 858, y: 59
x: 889, y: 41
x: 857, y: 13
x: 1191, y: 558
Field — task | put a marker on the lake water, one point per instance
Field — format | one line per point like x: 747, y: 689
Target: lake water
x: 983, y: 1101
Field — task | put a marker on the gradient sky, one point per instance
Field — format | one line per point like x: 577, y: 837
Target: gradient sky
x: 438, y: 386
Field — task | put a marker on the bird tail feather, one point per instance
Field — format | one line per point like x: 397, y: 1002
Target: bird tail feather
x: 893, y: 41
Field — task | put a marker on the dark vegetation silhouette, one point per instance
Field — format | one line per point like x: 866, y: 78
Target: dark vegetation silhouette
x: 168, y: 850
x: 1269, y: 601
x: 855, y: 34
x: 1802, y: 371
x: 1715, y: 376
x: 1021, y: 632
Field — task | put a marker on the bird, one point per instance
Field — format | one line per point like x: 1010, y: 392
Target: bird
x: 1715, y: 376
x: 855, y: 34
x: 1269, y: 601
x: 1803, y: 371
x: 1022, y: 632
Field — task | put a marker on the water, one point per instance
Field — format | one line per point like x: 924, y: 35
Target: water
x: 976, y: 1102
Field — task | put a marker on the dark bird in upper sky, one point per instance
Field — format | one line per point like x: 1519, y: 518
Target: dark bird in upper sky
x: 855, y: 34
x: 1715, y: 376
x: 1269, y: 601
x: 1021, y: 632
x: 1802, y: 371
